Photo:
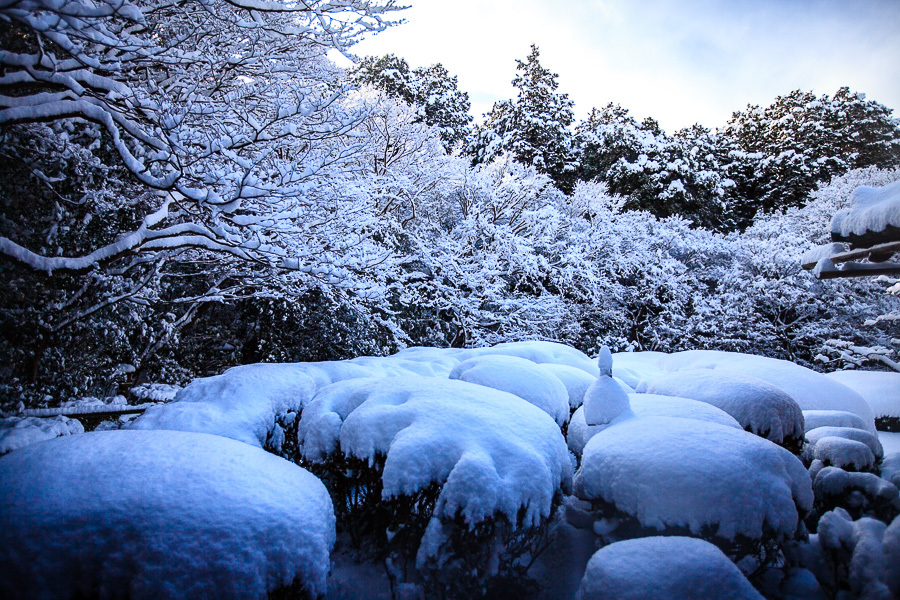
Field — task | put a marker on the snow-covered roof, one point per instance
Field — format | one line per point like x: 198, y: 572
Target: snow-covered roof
x: 159, y: 514
x: 872, y: 210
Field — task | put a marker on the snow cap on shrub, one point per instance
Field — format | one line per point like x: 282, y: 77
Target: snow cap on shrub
x: 520, y: 377
x: 663, y: 568
x: 159, y: 514
x: 668, y: 471
x: 539, y: 352
x: 490, y: 450
x: 758, y: 406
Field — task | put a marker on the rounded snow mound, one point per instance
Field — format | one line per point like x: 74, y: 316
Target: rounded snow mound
x: 813, y: 419
x: 671, y: 472
x: 576, y: 381
x: 650, y: 405
x: 841, y: 452
x: 520, y: 377
x: 490, y: 450
x: 851, y: 433
x: 663, y: 568
x: 811, y: 390
x: 18, y: 432
x: 159, y: 514
x: 539, y: 352
x: 879, y: 388
x: 758, y: 406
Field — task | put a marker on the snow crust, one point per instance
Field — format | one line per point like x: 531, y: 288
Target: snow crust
x: 520, y: 377
x: 879, y: 388
x: 663, y: 568
x: 18, y: 432
x: 679, y: 472
x: 650, y: 405
x: 871, y: 209
x: 811, y: 390
x: 758, y: 406
x: 158, y: 514
x: 491, y: 451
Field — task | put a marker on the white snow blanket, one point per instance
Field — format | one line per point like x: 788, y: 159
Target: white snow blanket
x: 757, y: 405
x: 242, y: 402
x: 679, y: 472
x: 831, y: 418
x: 490, y: 450
x: 880, y: 389
x: 871, y: 209
x: 577, y: 381
x: 18, y: 432
x: 520, y: 377
x: 159, y: 514
x: 650, y: 405
x: 811, y: 390
x: 663, y: 568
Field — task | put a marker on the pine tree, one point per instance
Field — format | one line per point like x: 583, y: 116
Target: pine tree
x: 533, y: 127
x: 432, y: 90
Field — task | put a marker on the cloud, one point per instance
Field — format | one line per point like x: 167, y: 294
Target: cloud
x: 679, y: 62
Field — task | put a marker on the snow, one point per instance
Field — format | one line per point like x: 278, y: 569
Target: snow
x: 879, y: 388
x: 650, y: 405
x: 240, y: 404
x: 492, y: 451
x: 758, y: 406
x: 18, y: 432
x: 842, y: 452
x: 869, y: 439
x: 811, y: 390
x: 663, y: 568
x: 155, y: 392
x: 871, y: 209
x: 605, y: 401
x: 678, y: 472
x: 520, y: 377
x: 159, y: 514
x: 576, y: 381
x: 834, y: 481
x: 834, y: 418
x: 890, y: 441
x: 539, y: 352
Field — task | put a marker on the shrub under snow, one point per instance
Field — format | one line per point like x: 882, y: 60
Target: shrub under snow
x: 663, y: 568
x: 17, y: 432
x: 759, y: 407
x: 159, y: 514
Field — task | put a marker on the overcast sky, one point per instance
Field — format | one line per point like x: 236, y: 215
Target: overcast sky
x: 679, y: 61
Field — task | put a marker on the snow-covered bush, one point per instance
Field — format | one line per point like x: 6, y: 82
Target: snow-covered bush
x: 448, y: 482
x: 159, y: 514
x: 860, y: 494
x: 16, y: 432
x: 853, y: 558
x: 662, y: 568
x: 760, y: 407
x: 520, y: 377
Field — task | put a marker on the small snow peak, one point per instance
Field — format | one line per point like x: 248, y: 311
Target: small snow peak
x: 604, y: 362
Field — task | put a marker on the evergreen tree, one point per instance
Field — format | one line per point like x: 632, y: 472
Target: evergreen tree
x: 778, y: 155
x: 432, y: 90
x: 533, y: 127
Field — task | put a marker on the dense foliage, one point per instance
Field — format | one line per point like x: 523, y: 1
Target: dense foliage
x: 155, y: 230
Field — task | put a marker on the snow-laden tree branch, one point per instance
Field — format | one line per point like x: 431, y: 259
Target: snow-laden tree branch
x: 229, y: 108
